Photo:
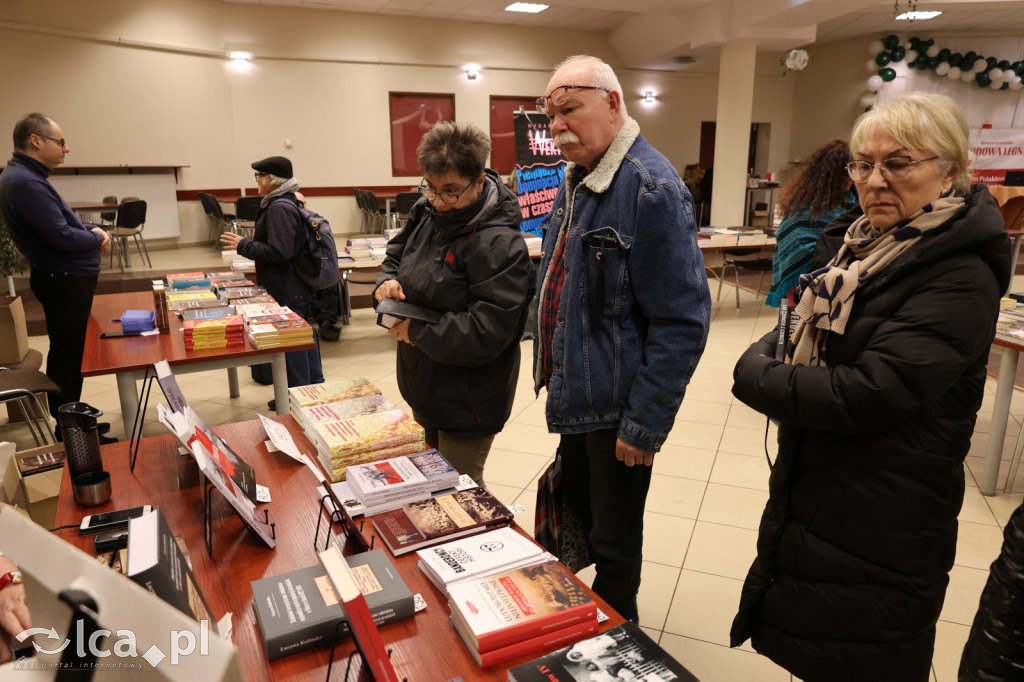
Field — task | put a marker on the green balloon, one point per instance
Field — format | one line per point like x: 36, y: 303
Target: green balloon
x: 882, y: 59
x: 944, y: 54
x: 1005, y: 86
x: 991, y: 61
x: 898, y: 53
x: 1003, y: 65
x: 970, y: 56
x: 1017, y: 67
x: 921, y: 62
x: 890, y: 41
x: 955, y: 59
x: 887, y: 74
x: 932, y: 62
x: 983, y: 79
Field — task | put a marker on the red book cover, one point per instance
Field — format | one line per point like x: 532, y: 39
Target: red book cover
x: 360, y: 620
x: 503, y: 609
x: 549, y: 641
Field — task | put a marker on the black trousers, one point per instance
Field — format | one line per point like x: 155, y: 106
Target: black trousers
x: 608, y: 498
x: 67, y: 303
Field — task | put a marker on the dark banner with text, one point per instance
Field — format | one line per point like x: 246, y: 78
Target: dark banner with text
x: 539, y: 169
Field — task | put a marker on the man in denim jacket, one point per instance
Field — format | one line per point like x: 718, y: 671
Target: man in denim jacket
x: 623, y: 312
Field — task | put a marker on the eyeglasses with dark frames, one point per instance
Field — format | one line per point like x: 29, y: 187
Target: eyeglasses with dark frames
x: 893, y: 168
x: 260, y: 174
x: 560, y: 95
x: 61, y: 142
x: 446, y: 197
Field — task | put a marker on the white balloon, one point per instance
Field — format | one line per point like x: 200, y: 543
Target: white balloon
x: 932, y: 51
x: 954, y: 73
x: 980, y: 66
x: 875, y: 47
x: 996, y: 74
x: 1016, y: 85
x: 875, y: 83
x: 942, y: 69
x: 967, y: 76
x: 867, y: 100
x: 1009, y: 75
x: 910, y: 56
x: 995, y: 85
x: 871, y: 66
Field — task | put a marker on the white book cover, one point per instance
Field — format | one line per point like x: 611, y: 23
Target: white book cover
x: 387, y: 479
x: 478, y: 555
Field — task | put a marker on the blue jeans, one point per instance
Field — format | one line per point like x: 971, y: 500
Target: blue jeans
x: 303, y: 366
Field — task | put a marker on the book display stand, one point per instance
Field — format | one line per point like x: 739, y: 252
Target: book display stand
x: 336, y: 513
x: 358, y: 652
x: 208, y: 489
x: 140, y: 417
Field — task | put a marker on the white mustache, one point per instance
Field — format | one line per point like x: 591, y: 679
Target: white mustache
x: 566, y: 138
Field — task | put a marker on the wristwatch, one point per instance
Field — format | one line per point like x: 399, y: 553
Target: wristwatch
x: 10, y: 578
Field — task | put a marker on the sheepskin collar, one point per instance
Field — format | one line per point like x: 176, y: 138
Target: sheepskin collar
x: 600, y: 179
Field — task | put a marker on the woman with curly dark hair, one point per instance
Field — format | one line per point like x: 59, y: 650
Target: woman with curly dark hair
x: 820, y: 192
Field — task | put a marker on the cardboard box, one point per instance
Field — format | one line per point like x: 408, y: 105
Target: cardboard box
x: 37, y: 493
x: 13, y: 332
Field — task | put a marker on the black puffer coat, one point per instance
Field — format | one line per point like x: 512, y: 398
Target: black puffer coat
x: 474, y: 268
x: 859, y: 533
x: 995, y: 648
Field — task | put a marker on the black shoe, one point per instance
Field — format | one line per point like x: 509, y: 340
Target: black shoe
x: 272, y: 405
x: 330, y: 333
x: 102, y: 427
x: 106, y: 440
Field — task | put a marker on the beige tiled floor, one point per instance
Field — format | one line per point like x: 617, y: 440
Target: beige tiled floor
x: 709, y: 488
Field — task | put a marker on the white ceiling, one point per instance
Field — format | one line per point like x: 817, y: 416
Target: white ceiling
x: 652, y: 32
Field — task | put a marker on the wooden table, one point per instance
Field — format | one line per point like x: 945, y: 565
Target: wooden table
x: 425, y: 648
x: 85, y: 207
x: 129, y: 357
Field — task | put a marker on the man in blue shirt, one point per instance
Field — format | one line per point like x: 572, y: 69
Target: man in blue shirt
x: 64, y: 253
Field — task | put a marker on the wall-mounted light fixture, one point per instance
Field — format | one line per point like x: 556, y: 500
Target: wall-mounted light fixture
x: 240, y: 56
x: 471, y: 74
x: 649, y: 96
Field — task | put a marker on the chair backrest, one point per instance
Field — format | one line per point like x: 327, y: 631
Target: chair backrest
x: 246, y: 208
x: 131, y: 214
x: 109, y: 217
x: 360, y: 199
x: 211, y: 206
x: 372, y: 204
x: 404, y: 201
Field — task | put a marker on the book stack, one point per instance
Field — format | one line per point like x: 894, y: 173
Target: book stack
x: 532, y: 608
x: 300, y: 610
x: 220, y: 332
x: 1011, y: 323
x: 366, y: 438
x: 177, y: 281
x: 242, y: 264
x: 229, y: 295
x: 261, y: 299
x: 388, y: 484
x: 439, y: 519
x: 478, y: 556
x: 222, y: 285
x: 623, y: 653
x: 329, y: 392
x: 176, y: 296
x: 752, y: 238
x: 723, y: 236
x: 207, y: 313
x: 309, y: 417
x: 250, y: 310
x: 276, y: 330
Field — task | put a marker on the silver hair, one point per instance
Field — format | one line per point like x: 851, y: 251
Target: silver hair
x: 604, y: 75
x: 275, y: 181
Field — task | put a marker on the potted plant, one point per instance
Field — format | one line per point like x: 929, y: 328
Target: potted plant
x: 11, y: 262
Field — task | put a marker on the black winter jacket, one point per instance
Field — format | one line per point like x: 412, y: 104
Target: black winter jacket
x: 475, y: 269
x: 274, y: 246
x: 859, y: 533
x: 995, y: 648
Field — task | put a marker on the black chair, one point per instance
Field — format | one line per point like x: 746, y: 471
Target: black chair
x: 744, y: 259
x: 23, y: 383
x: 220, y: 221
x: 403, y: 204
x: 131, y: 219
x: 374, y: 213
x: 109, y: 218
x: 246, y: 209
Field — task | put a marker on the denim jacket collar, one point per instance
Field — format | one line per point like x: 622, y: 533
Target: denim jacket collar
x: 601, y: 178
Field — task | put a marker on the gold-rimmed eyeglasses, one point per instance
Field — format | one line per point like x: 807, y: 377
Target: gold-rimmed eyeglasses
x: 559, y: 95
x: 893, y: 168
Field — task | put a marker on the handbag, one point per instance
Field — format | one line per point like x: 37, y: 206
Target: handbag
x: 556, y: 528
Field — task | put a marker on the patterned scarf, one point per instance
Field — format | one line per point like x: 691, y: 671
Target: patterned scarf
x: 827, y: 294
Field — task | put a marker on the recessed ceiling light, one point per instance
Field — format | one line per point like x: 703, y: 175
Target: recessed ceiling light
x: 917, y: 16
x: 528, y: 7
